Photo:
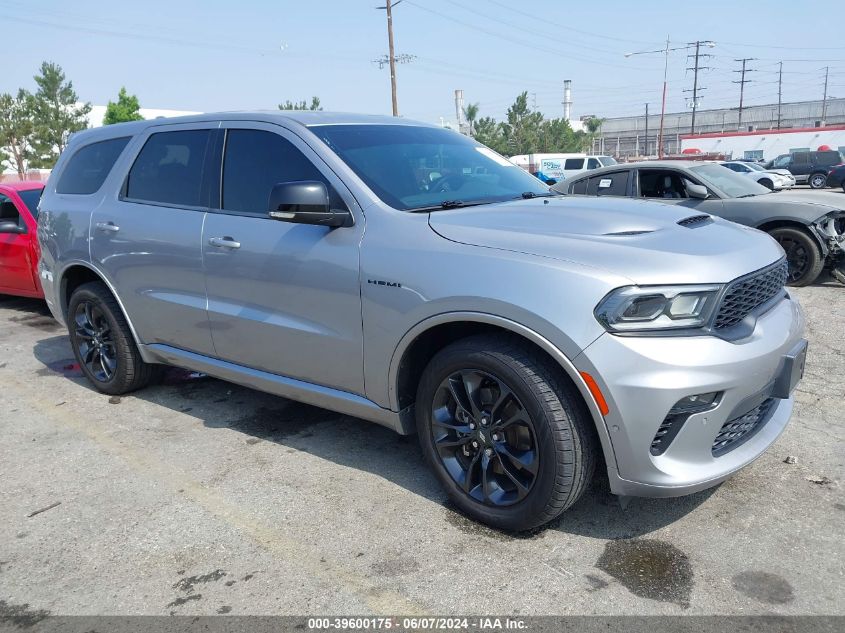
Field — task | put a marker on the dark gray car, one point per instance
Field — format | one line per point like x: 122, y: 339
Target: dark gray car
x: 809, y: 227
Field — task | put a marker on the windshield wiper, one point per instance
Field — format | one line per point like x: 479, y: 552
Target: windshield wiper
x: 527, y: 195
x: 451, y: 204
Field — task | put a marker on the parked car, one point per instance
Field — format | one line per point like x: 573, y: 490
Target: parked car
x: 18, y: 239
x: 774, y: 179
x: 561, y: 166
x: 525, y: 337
x: 810, y: 227
x: 808, y: 167
x: 836, y: 176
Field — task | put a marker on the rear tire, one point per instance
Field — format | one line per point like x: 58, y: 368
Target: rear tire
x: 470, y: 394
x: 803, y: 255
x: 102, y: 342
x: 818, y: 181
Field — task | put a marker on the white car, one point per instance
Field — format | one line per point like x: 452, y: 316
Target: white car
x: 775, y: 179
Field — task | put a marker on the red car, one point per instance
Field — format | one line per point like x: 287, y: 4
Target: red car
x: 19, y: 250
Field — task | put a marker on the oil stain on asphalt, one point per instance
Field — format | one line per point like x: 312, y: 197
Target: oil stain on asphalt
x: 763, y: 586
x: 187, y: 584
x: 649, y: 568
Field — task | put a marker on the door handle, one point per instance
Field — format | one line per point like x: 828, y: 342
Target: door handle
x: 108, y: 227
x: 224, y: 242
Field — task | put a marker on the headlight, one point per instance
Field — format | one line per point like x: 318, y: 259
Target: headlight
x: 639, y: 308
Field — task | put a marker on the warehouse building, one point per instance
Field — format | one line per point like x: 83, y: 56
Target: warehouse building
x: 625, y: 137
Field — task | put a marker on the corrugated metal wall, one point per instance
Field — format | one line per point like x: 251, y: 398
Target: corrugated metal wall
x: 624, y: 136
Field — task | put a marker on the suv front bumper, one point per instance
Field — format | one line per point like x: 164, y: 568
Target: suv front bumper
x: 643, y: 377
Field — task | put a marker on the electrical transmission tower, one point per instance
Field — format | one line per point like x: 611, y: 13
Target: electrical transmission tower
x: 698, y: 56
x: 742, y: 83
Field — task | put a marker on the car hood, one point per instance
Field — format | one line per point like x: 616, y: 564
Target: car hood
x: 818, y: 202
x: 636, y: 239
x: 779, y: 172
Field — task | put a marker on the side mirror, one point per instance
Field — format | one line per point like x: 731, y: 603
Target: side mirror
x: 305, y: 202
x: 10, y: 226
x: 697, y: 191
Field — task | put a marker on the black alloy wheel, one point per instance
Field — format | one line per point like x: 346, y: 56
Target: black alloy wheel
x: 504, y: 430
x: 803, y: 255
x: 102, y: 341
x: 484, y: 437
x: 94, y: 341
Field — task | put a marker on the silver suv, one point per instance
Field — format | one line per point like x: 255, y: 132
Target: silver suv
x: 405, y: 274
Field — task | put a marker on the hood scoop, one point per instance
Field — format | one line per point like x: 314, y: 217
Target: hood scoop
x: 628, y: 233
x: 694, y: 221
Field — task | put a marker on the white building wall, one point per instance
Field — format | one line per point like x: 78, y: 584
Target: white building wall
x: 771, y: 143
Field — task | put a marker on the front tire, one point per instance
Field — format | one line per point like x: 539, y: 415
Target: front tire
x: 102, y: 342
x: 818, y: 181
x: 506, y: 434
x: 803, y: 255
x: 766, y: 182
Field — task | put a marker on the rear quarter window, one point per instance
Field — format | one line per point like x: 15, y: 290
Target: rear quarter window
x: 87, y: 169
x: 574, y: 163
x: 615, y: 184
x: 579, y: 187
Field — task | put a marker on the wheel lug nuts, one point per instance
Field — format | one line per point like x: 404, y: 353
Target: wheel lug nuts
x: 484, y: 421
x: 495, y: 437
x: 472, y: 426
x: 474, y: 444
x: 488, y: 452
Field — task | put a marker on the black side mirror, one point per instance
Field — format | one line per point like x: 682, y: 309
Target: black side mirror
x: 10, y: 226
x: 306, y: 202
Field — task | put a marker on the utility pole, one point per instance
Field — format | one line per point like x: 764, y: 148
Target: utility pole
x: 695, y: 68
x: 780, y: 89
x: 742, y: 83
x: 391, y: 57
x: 663, y: 107
x: 646, y: 130
x: 824, y: 99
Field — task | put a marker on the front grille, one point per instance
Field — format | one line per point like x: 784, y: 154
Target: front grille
x: 736, y: 431
x: 695, y: 220
x: 746, y: 294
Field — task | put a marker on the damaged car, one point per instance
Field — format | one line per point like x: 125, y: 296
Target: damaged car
x: 809, y: 227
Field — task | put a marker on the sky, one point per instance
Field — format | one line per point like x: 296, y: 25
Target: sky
x: 212, y: 55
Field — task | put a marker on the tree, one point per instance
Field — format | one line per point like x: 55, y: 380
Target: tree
x: 125, y: 109
x: 471, y: 115
x: 489, y: 133
x: 289, y: 105
x: 16, y: 131
x: 522, y: 129
x: 57, y: 114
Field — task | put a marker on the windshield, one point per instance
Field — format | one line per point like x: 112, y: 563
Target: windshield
x: 413, y: 167
x: 607, y: 161
x: 730, y: 182
x: 754, y: 166
x: 30, y: 198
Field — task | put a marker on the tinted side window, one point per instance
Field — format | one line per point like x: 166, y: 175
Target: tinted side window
x: 615, y: 184
x: 169, y: 168
x: 734, y: 167
x: 574, y: 163
x: 579, y: 187
x: 87, y: 169
x: 828, y: 159
x: 593, y: 164
x: 801, y: 158
x: 254, y: 162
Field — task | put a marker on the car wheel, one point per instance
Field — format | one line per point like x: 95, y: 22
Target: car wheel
x: 102, y: 342
x: 843, y: 186
x: 802, y: 254
x: 818, y: 181
x: 766, y: 182
x: 507, y: 436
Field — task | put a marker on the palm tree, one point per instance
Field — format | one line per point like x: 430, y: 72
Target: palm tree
x: 471, y: 115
